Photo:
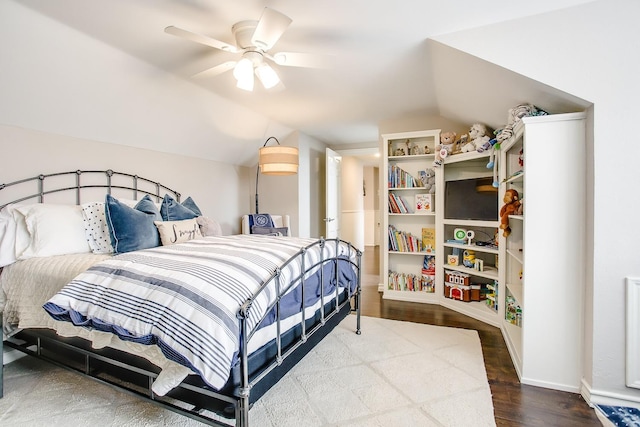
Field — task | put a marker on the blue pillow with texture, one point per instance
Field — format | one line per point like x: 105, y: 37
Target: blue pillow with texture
x: 174, y: 211
x: 132, y: 229
x: 189, y: 203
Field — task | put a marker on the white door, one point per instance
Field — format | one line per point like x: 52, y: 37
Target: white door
x: 332, y: 180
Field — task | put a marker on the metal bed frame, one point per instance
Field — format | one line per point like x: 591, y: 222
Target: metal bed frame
x: 107, y: 365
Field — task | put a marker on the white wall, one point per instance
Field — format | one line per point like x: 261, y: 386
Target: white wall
x: 217, y: 188
x: 588, y: 51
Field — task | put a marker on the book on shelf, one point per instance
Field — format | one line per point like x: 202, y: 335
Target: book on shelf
x: 429, y: 239
x: 397, y: 204
x: 410, y: 282
x: 423, y: 203
x: 399, y: 178
x: 401, y: 241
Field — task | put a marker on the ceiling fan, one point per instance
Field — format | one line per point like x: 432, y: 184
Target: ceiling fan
x: 254, y: 39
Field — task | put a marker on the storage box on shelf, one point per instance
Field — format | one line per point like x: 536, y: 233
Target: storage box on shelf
x: 543, y: 256
x: 466, y: 229
x: 408, y: 200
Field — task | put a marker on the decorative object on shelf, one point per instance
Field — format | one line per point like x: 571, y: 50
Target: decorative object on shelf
x: 478, y: 136
x: 453, y: 259
x: 426, y: 150
x: 468, y: 258
x: 446, y: 147
x: 428, y: 179
x: 511, y: 204
x: 463, y: 141
x: 513, y: 311
x: 492, y: 295
x: 459, y: 287
x: 460, y: 234
x: 276, y: 160
x: 470, y: 235
x: 429, y: 273
x: 478, y: 264
x: 424, y: 203
x: 516, y: 114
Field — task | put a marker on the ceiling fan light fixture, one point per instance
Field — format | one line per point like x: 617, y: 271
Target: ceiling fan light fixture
x: 243, y: 69
x: 246, y: 83
x: 267, y: 75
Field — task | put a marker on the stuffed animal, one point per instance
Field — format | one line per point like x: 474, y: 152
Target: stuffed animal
x: 464, y: 143
x: 478, y: 136
x: 445, y: 148
x: 515, y: 115
x: 511, y: 205
x: 428, y: 178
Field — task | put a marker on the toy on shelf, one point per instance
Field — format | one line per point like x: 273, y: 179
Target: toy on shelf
x: 511, y: 205
x: 446, y: 147
x: 458, y: 286
x: 428, y: 179
x: 492, y: 295
x: 478, y: 136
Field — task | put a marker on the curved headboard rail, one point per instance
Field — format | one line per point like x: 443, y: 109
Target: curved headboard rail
x: 154, y: 188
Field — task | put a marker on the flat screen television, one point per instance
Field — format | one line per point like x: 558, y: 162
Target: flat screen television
x: 464, y: 200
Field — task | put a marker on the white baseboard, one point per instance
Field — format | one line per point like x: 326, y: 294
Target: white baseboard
x: 607, y: 398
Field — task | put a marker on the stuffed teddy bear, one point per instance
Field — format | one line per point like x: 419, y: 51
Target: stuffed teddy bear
x: 445, y: 148
x: 428, y: 178
x: 511, y: 206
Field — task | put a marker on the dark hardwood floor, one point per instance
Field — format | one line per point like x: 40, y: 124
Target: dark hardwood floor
x: 514, y: 404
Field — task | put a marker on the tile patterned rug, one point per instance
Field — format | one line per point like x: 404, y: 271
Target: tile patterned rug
x: 394, y: 374
x: 618, y: 416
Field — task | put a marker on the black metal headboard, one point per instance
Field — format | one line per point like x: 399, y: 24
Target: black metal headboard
x: 88, y: 180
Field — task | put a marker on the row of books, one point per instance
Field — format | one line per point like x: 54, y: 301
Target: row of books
x: 397, y: 204
x: 411, y: 282
x: 401, y: 241
x: 399, y: 178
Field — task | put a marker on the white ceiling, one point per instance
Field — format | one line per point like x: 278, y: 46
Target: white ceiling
x: 380, y: 64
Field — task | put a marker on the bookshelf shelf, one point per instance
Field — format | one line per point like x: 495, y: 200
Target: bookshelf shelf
x: 409, y: 188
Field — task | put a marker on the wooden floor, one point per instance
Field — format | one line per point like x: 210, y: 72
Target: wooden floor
x: 514, y: 404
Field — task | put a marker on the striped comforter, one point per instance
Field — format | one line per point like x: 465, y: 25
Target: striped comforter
x: 185, y: 298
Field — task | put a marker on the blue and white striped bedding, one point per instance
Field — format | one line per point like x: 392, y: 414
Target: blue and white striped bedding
x: 184, y: 298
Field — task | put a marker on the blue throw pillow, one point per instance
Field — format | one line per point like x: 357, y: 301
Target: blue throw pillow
x: 174, y: 211
x: 189, y: 203
x: 132, y: 229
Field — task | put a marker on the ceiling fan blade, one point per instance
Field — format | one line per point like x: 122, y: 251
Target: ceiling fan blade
x: 217, y: 70
x: 200, y: 38
x: 270, y: 28
x: 297, y: 59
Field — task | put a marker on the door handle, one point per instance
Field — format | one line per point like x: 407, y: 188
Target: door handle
x: 328, y: 219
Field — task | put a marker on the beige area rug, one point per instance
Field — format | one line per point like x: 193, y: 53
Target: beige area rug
x: 394, y: 374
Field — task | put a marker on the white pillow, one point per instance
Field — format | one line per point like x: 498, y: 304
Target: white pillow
x: 208, y: 226
x: 53, y: 230
x: 13, y: 234
x: 178, y: 231
x: 95, y: 228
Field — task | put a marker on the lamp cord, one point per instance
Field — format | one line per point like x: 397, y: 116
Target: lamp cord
x: 258, y: 169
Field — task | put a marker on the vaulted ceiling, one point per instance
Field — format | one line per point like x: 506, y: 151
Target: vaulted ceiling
x: 377, y: 60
